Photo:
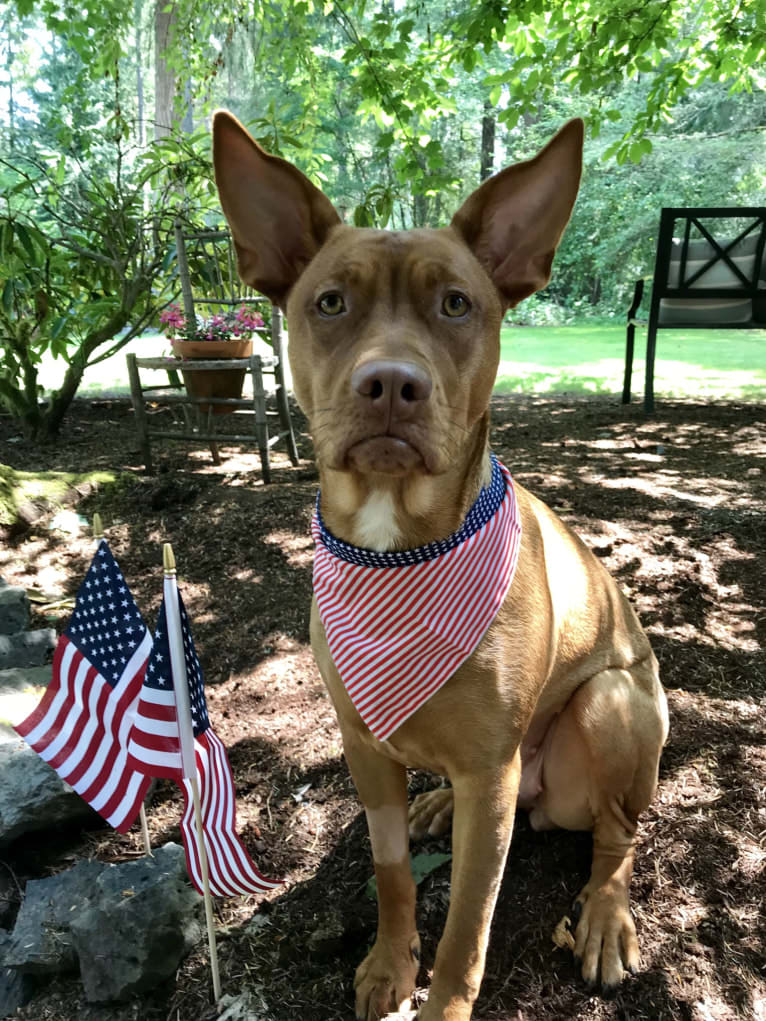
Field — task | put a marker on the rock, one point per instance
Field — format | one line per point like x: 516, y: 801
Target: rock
x: 32, y: 795
x: 15, y: 989
x: 20, y: 691
x: 41, y: 942
x: 27, y: 648
x: 125, y: 926
x: 14, y: 610
x: 142, y: 919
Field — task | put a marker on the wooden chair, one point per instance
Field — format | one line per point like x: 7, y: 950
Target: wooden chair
x: 207, y: 265
x: 709, y: 273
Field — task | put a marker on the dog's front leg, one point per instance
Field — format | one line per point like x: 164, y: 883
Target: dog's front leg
x: 485, y: 804
x: 386, y: 977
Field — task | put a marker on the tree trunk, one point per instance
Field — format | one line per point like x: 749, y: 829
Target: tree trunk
x: 166, y: 86
x: 164, y: 76
x: 9, y: 73
x: 419, y: 211
x: 487, y: 164
x: 63, y: 397
x: 139, y: 71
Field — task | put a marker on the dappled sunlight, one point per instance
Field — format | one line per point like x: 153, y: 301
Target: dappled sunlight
x: 297, y: 549
x: 708, y: 493
x: 16, y: 707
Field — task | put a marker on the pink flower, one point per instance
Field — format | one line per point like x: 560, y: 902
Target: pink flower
x: 238, y: 323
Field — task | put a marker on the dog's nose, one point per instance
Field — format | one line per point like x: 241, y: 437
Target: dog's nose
x: 398, y: 386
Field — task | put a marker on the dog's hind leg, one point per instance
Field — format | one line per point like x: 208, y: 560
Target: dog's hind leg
x: 431, y: 813
x: 600, y: 773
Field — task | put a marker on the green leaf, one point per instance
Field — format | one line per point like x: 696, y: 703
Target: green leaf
x: 7, y: 298
x: 422, y: 866
x: 23, y: 236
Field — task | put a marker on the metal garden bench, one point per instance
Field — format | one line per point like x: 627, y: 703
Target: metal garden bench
x: 709, y: 273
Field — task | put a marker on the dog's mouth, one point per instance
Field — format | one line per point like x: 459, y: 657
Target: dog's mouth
x: 386, y: 455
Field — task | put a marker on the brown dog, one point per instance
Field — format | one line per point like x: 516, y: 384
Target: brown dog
x: 555, y: 704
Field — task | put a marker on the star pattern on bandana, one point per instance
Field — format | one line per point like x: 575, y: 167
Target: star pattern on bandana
x: 482, y: 511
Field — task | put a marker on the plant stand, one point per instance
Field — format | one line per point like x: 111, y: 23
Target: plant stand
x: 200, y: 419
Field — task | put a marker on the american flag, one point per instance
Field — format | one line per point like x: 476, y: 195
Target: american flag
x: 399, y: 624
x: 82, y: 723
x: 155, y: 748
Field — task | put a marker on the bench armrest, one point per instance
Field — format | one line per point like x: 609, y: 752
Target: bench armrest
x: 638, y: 293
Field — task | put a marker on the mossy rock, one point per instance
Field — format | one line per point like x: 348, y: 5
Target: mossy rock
x: 25, y: 497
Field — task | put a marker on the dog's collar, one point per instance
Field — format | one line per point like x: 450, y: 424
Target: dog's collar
x: 482, y: 510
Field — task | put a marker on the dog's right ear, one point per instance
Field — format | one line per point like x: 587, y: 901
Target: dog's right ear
x: 278, y: 219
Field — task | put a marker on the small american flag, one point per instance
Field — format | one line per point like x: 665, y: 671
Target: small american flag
x: 82, y: 723
x: 399, y: 624
x: 155, y: 748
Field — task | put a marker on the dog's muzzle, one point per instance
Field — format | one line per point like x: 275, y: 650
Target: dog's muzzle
x: 392, y: 396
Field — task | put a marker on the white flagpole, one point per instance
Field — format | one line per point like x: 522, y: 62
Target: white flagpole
x: 98, y: 534
x: 186, y: 734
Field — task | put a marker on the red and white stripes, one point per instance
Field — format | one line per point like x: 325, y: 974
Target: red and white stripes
x: 81, y: 727
x: 231, y: 869
x: 397, y: 633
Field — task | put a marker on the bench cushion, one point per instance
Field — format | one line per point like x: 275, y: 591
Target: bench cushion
x: 675, y: 311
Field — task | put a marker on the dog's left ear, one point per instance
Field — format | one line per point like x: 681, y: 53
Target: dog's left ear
x: 514, y: 221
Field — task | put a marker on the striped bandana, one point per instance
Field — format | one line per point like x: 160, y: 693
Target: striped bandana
x: 399, y: 624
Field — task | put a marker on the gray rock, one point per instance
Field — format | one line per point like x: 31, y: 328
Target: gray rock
x: 28, y: 648
x: 32, y: 795
x: 142, y: 918
x: 41, y: 942
x: 20, y: 691
x: 15, y: 989
x: 14, y: 610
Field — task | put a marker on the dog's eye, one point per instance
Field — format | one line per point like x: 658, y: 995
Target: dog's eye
x: 331, y: 304
x: 455, y: 305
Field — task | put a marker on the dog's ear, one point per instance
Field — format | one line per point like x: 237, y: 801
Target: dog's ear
x: 515, y: 220
x: 278, y: 219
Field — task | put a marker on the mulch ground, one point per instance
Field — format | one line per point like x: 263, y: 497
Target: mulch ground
x: 675, y: 505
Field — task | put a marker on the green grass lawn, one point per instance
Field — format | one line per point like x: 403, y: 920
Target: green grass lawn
x: 557, y: 359
x: 591, y: 359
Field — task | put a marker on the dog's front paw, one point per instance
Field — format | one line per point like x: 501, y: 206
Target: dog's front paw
x: 431, y: 813
x: 605, y: 935
x: 385, y: 979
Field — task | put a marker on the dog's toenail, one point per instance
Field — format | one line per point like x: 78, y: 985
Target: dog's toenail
x: 415, y: 954
x: 576, y: 911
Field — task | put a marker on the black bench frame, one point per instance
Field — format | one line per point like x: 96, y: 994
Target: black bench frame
x: 750, y: 286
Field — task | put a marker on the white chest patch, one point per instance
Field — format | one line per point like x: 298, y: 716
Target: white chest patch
x: 376, y: 526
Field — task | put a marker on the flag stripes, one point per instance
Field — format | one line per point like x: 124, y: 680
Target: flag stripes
x: 398, y: 632
x: 155, y: 747
x: 80, y: 726
x: 231, y: 869
x: 154, y: 743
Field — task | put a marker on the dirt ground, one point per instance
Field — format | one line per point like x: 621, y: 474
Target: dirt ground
x: 675, y: 505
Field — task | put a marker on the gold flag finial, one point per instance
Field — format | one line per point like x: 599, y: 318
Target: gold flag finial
x: 98, y: 528
x: 168, y: 560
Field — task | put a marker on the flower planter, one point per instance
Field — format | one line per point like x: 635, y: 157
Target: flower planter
x: 213, y: 382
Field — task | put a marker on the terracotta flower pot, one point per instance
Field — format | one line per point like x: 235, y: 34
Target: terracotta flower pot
x: 213, y: 382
